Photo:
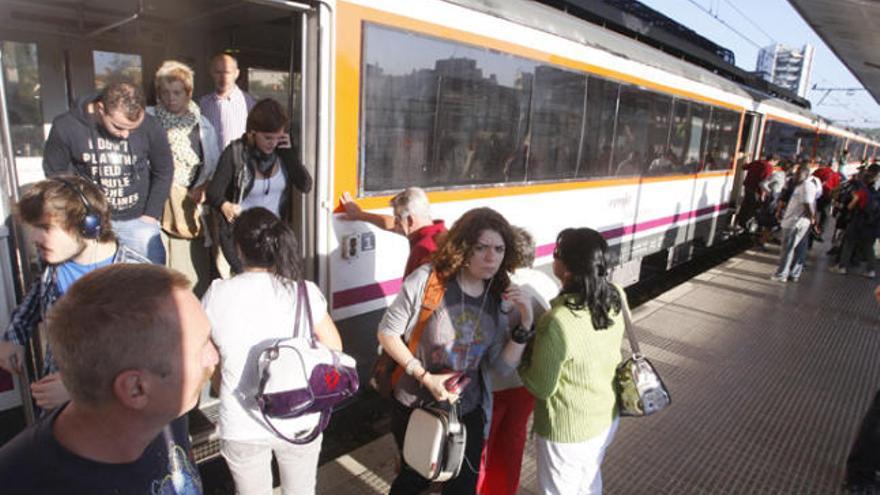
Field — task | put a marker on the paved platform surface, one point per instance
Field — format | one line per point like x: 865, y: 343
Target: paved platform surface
x: 769, y: 382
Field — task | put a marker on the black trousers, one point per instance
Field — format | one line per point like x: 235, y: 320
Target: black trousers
x: 409, y: 482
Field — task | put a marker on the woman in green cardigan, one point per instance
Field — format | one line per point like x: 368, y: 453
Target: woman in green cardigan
x: 570, y: 366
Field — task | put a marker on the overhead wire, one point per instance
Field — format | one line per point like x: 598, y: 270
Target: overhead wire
x: 753, y: 23
x: 725, y: 24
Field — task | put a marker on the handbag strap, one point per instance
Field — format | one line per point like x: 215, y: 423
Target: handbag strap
x: 434, y: 291
x: 303, y: 307
x: 628, y: 324
x: 320, y: 427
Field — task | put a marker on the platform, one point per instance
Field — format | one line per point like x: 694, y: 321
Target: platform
x: 769, y: 382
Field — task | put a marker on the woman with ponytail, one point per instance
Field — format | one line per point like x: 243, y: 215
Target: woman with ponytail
x: 248, y: 312
x: 569, y: 367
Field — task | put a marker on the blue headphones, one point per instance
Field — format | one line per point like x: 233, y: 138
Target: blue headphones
x: 90, y: 225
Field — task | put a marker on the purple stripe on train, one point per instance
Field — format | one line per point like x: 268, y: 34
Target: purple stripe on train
x: 378, y: 290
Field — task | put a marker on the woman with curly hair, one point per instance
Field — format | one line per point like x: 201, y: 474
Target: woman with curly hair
x: 570, y: 365
x: 467, y: 335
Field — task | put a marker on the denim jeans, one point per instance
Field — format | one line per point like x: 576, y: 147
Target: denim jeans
x: 142, y: 237
x: 789, y: 264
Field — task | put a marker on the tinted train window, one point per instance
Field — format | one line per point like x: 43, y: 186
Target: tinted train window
x: 723, y: 132
x: 438, y: 113
x: 599, y: 132
x: 856, y: 150
x: 557, y: 123
x: 435, y: 113
x: 787, y: 141
x: 22, y: 77
x: 642, y: 133
x: 112, y: 66
x: 689, y: 136
x: 828, y: 147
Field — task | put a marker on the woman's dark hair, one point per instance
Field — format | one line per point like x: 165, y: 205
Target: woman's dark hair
x: 264, y: 241
x: 583, y: 253
x: 267, y: 116
x: 458, y: 245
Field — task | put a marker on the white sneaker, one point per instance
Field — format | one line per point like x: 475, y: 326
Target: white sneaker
x: 838, y: 270
x: 871, y: 274
x: 778, y: 278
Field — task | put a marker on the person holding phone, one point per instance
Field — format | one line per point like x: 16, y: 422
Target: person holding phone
x: 256, y: 170
x: 467, y: 337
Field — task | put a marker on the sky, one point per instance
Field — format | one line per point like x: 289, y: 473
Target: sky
x: 762, y: 23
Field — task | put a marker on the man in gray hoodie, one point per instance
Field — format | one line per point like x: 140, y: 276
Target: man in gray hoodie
x: 108, y: 139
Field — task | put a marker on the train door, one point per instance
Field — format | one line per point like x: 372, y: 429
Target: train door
x: 9, y: 387
x: 59, y: 53
x: 748, y: 151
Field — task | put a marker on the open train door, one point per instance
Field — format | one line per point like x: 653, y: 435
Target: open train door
x: 748, y: 151
x: 10, y: 273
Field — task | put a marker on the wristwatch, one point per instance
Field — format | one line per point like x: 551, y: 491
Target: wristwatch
x: 521, y: 334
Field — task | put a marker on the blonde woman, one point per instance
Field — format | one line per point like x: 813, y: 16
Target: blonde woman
x: 195, y: 151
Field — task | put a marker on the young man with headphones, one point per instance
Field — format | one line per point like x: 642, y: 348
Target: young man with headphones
x: 68, y: 221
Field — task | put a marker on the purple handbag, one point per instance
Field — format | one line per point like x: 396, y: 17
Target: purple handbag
x: 301, y: 376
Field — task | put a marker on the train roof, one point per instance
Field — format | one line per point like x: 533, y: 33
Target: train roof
x: 553, y: 21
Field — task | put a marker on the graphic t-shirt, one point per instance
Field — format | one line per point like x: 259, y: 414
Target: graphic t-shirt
x: 34, y: 462
x: 134, y: 172
x: 461, y: 332
x: 70, y: 271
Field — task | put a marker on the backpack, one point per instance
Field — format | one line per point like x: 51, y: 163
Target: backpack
x: 871, y: 212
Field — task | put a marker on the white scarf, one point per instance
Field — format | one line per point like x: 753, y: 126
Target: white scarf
x: 179, y: 127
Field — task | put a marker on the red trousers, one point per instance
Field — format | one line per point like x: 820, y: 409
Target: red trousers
x: 502, y: 454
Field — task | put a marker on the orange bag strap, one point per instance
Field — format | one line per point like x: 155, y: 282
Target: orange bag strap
x: 434, y: 291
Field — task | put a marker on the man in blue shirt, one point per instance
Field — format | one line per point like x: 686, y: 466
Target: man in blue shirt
x: 68, y: 221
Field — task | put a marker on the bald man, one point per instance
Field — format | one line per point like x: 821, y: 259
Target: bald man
x: 228, y: 106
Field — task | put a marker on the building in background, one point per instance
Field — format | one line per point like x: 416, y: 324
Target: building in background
x: 787, y: 67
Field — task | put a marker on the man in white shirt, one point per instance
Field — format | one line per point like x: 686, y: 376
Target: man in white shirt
x: 799, y: 215
x: 228, y: 106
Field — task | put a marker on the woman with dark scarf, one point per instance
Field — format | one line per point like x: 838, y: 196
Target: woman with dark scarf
x: 256, y: 170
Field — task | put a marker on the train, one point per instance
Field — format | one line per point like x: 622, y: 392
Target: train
x: 549, y: 119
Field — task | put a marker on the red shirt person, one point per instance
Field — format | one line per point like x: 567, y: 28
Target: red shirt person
x: 412, y: 219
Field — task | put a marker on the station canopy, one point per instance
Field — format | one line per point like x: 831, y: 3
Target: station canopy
x: 849, y: 28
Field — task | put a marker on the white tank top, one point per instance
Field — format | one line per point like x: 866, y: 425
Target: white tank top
x: 266, y: 193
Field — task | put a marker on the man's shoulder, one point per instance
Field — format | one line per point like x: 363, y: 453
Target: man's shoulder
x: 24, y: 461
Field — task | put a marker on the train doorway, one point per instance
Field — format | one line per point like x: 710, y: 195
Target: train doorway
x: 56, y: 53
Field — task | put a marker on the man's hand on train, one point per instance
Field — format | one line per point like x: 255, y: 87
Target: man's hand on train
x: 7, y: 350
x: 351, y: 210
x: 50, y: 391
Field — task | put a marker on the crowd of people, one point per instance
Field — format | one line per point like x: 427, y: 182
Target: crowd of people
x: 147, y: 210
x: 795, y: 202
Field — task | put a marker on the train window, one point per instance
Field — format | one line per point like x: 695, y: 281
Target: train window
x: 827, y: 146
x: 557, y: 123
x: 691, y: 134
x: 598, y: 138
x: 786, y: 141
x: 276, y: 84
x: 21, y: 73
x: 723, y: 132
x: 856, y: 150
x: 642, y: 135
x: 112, y: 66
x: 438, y: 113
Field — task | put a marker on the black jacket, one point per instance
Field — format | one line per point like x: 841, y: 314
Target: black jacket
x: 234, y: 177
x: 135, y: 173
